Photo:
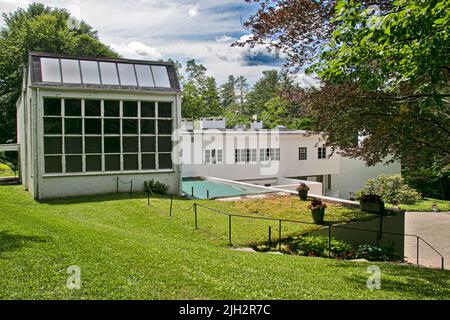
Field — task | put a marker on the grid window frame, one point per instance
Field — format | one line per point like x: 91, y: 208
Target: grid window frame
x: 302, y: 153
x: 322, y: 153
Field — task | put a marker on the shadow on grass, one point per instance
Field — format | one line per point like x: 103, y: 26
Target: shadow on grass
x: 13, y: 242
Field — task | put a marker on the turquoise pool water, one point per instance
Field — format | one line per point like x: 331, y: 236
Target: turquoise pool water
x: 201, y: 188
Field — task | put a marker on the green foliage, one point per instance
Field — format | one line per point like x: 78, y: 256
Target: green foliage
x: 4, y: 168
x: 429, y: 181
x: 372, y: 253
x: 318, y: 247
x: 391, y: 188
x: 37, y: 28
x: 156, y: 187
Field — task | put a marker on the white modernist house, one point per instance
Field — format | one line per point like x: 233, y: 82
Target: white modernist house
x: 84, y: 124
x: 278, y: 157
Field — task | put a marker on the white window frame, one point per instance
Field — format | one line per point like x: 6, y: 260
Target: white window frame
x: 322, y: 153
x: 269, y: 154
x: 302, y: 153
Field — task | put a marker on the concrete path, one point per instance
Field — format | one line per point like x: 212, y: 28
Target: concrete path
x: 433, y: 227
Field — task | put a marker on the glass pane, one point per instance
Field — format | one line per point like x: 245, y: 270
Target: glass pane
x: 93, y: 144
x: 164, y: 144
x: 147, y: 109
x: 148, y: 144
x: 50, y: 70
x: 111, y: 126
x: 70, y: 71
x: 144, y: 75
x: 130, y: 144
x: 72, y: 107
x: 112, y: 162
x: 92, y: 108
x: 52, y: 125
x: 164, y: 126
x: 93, y: 163
x: 164, y: 109
x: 73, y: 145
x: 161, y: 76
x: 165, y: 160
x: 126, y: 73
x: 89, y: 70
x: 111, y: 108
x: 130, y: 109
x: 52, y: 107
x: 53, y: 164
x: 92, y: 126
x: 148, y: 161
x: 147, y: 126
x: 112, y: 144
x: 52, y: 145
x: 73, y: 126
x: 129, y: 126
x: 74, y: 164
x: 109, y: 73
x: 130, y: 162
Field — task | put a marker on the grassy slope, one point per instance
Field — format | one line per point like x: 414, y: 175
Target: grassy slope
x: 425, y: 205
x: 129, y: 251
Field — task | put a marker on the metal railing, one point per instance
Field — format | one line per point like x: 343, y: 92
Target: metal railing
x: 118, y: 180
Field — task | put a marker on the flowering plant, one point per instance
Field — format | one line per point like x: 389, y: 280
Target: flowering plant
x: 317, y: 204
x: 302, y: 187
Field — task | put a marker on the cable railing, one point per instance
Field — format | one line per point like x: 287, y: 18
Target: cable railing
x: 119, y: 181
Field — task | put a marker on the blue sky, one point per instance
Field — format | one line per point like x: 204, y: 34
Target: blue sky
x: 177, y: 29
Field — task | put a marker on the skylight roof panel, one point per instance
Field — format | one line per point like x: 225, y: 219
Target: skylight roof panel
x: 144, y: 74
x: 127, y: 75
x: 161, y: 77
x: 70, y: 71
x: 90, y: 73
x: 109, y: 73
x: 50, y: 70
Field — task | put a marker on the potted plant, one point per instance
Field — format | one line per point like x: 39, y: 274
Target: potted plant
x: 371, y: 203
x: 302, y: 190
x: 317, y: 208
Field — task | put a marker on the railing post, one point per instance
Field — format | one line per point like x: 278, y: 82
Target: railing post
x: 148, y: 197
x: 442, y: 262
x: 192, y: 191
x: 329, y: 241
x: 279, y: 235
x: 195, y: 216
x: 117, y: 184
x: 229, y: 230
x: 270, y: 236
x: 171, y: 204
x: 417, y: 250
x: 131, y: 189
x: 207, y: 194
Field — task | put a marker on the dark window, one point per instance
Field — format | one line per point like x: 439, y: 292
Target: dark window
x: 130, y: 144
x: 92, y: 108
x: 164, y: 126
x: 53, y: 164
x: 92, y: 126
x: 164, y: 144
x: 112, y: 145
x: 53, y: 145
x: 130, y: 109
x: 129, y: 126
x: 112, y: 162
x: 130, y: 162
x: 148, y: 144
x: 72, y: 107
x: 147, y: 126
x: 93, y: 144
x: 322, y: 153
x: 52, y: 126
x: 73, y: 145
x: 111, y: 126
x: 111, y: 108
x: 302, y: 153
x: 165, y: 160
x: 148, y: 161
x: 147, y: 109
x: 74, y: 164
x: 73, y: 126
x: 93, y: 163
x: 52, y: 107
x: 164, y: 110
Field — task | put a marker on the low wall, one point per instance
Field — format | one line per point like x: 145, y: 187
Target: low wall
x: 292, y: 184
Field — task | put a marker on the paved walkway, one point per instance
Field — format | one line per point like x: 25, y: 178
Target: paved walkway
x: 434, y: 227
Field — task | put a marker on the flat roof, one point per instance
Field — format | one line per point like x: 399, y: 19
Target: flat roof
x: 65, y: 71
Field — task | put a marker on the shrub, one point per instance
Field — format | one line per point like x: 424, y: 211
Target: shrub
x: 391, y: 189
x: 318, y: 247
x: 302, y: 187
x: 317, y: 204
x: 4, y: 168
x: 373, y: 198
x: 156, y: 187
x: 373, y: 253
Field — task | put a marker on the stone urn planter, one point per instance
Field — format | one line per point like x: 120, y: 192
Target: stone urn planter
x: 302, y: 190
x: 317, y: 208
x: 371, y: 203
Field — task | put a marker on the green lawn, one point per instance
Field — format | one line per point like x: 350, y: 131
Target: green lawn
x: 425, y: 205
x: 127, y: 250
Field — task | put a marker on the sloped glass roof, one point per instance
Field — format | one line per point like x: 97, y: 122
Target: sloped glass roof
x: 52, y: 69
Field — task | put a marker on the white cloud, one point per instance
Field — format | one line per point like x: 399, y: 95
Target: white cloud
x: 225, y: 38
x: 193, y: 11
x: 136, y: 49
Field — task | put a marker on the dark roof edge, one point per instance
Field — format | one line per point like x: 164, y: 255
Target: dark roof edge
x: 119, y: 60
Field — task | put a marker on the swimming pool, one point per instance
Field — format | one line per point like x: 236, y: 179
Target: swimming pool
x: 206, y: 189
